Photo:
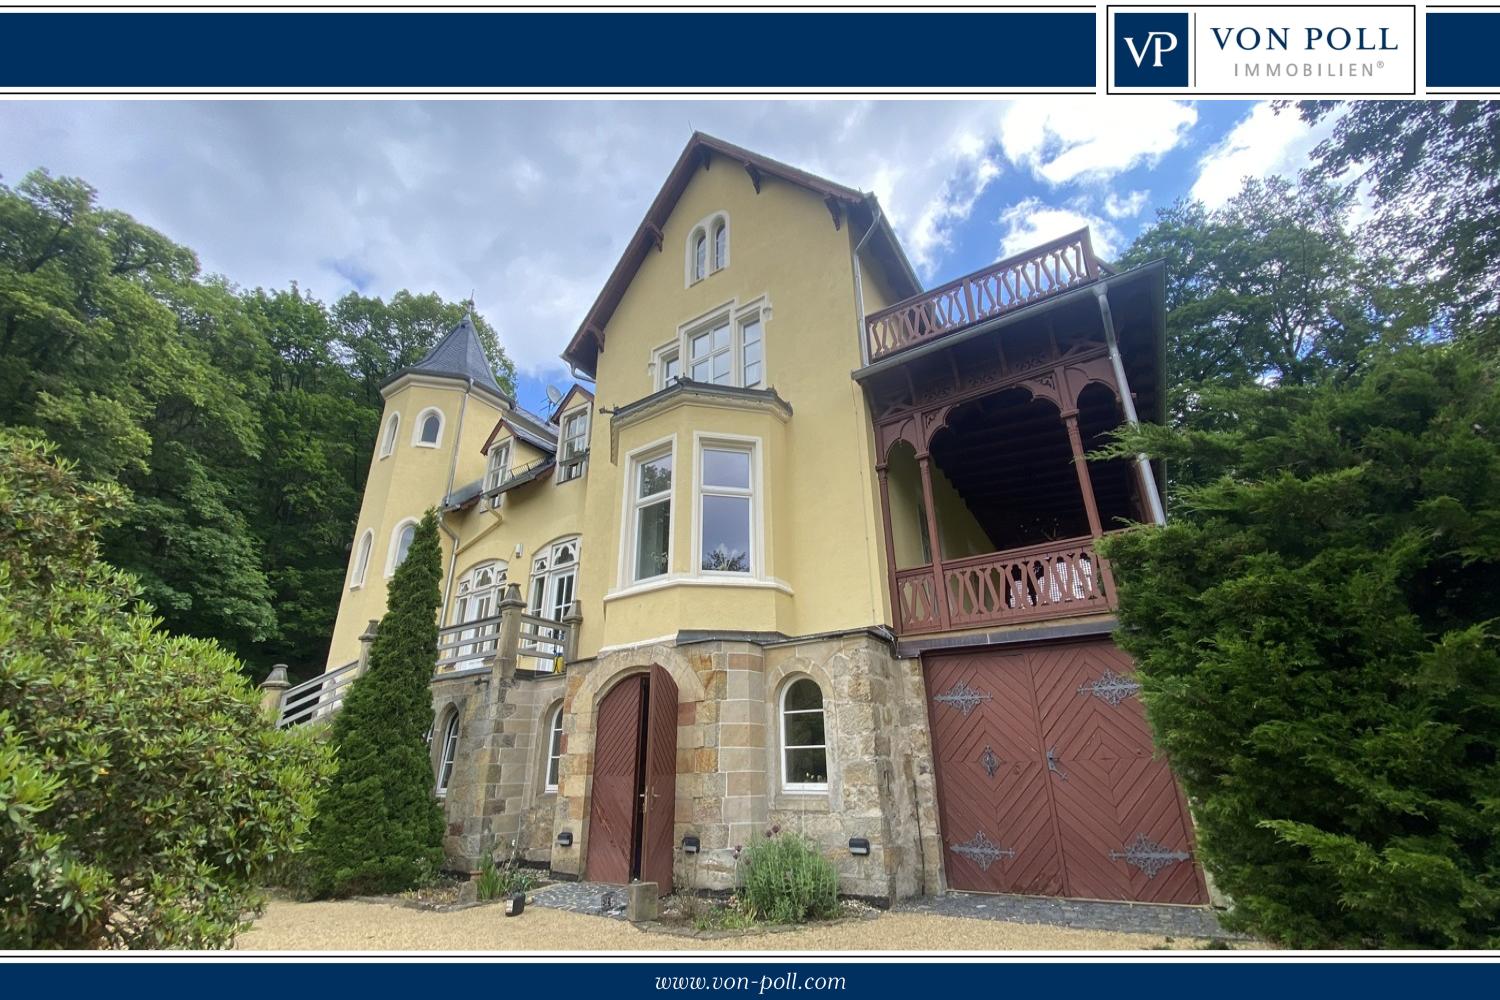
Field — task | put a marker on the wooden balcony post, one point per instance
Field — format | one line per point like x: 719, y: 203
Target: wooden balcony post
x: 272, y: 690
x: 1081, y: 465
x: 940, y: 592
x: 883, y: 473
x: 508, y: 634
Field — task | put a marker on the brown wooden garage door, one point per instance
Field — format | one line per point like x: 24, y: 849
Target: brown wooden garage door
x: 1047, y: 783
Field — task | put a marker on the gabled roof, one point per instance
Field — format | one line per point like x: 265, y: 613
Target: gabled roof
x: 458, y: 355
x: 577, y: 392
x: 526, y: 427
x: 583, y: 350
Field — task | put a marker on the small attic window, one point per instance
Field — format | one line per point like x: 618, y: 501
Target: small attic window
x: 708, y: 248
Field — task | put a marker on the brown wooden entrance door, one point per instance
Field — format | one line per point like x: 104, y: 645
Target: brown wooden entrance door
x: 635, y: 777
x: 1046, y: 778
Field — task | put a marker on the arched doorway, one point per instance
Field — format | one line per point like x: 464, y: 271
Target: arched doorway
x: 631, y: 811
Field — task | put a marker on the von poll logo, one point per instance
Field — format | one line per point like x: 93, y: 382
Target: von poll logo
x: 1151, y: 50
x: 1269, y: 49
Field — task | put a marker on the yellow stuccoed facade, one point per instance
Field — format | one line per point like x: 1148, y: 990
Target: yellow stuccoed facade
x: 812, y: 605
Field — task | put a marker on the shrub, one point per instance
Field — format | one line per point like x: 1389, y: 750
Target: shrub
x: 143, y: 794
x: 786, y: 881
x: 497, y: 881
x: 379, y: 828
x: 1315, y: 636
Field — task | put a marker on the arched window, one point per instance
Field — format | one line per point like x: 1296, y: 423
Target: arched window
x: 429, y: 432
x: 700, y: 255
x: 804, y: 745
x: 721, y: 244
x: 554, y: 747
x: 476, y: 601
x: 362, y: 559
x: 401, y: 540
x: 388, y: 439
x: 449, y: 752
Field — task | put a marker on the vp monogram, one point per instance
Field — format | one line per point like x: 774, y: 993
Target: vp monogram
x: 1157, y: 44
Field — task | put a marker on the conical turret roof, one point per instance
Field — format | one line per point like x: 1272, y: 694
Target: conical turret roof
x: 458, y: 355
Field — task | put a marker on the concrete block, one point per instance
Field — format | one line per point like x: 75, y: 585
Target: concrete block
x: 642, y: 902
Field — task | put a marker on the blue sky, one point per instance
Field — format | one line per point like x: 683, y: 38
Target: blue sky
x: 528, y: 203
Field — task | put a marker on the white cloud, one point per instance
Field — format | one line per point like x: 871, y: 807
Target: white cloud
x: 1091, y: 139
x: 1032, y: 222
x: 1262, y: 143
x: 526, y: 203
x: 1127, y: 206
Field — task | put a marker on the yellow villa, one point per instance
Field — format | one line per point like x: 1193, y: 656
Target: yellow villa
x: 809, y: 546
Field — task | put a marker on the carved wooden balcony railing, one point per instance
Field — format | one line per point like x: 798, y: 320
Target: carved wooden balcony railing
x: 470, y: 645
x: 1054, y: 580
x: 998, y: 289
x: 318, y: 698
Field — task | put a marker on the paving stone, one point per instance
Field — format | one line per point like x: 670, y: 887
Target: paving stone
x: 595, y: 898
x: 1146, y: 918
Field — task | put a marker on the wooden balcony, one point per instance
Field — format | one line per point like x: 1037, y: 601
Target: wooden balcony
x: 1003, y: 287
x: 1056, y: 580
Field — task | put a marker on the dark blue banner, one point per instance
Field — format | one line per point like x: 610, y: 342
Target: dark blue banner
x: 772, y: 977
x: 1461, y: 50
x: 955, y: 51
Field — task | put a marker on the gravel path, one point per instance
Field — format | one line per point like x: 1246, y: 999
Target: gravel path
x: 355, y: 926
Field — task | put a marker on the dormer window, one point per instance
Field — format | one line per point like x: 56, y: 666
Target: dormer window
x: 573, y: 448
x: 496, y: 470
x: 708, y: 248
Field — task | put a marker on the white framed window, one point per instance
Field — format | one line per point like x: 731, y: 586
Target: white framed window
x: 726, y: 529
x: 401, y: 540
x: 554, y: 748
x: 428, y: 432
x: 707, y: 248
x: 649, y: 506
x: 573, y: 448
x: 725, y: 347
x: 448, y: 754
x: 666, y: 365
x: 388, y: 437
x: 476, y: 599
x: 496, y: 470
x: 361, y: 559
x: 804, y: 742
x: 721, y: 244
x: 711, y: 353
x: 554, y: 575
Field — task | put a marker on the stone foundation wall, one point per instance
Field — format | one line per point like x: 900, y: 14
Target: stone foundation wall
x: 729, y: 760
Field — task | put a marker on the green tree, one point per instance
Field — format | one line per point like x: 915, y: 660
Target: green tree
x: 1271, y: 287
x: 379, y: 828
x: 1433, y: 173
x: 1315, y: 636
x: 143, y: 794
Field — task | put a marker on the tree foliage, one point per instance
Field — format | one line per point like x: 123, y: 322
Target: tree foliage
x: 143, y: 794
x: 239, y: 423
x: 379, y: 828
x: 1316, y: 639
x: 1433, y: 172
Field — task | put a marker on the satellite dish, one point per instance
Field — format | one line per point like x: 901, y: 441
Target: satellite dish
x: 553, y: 396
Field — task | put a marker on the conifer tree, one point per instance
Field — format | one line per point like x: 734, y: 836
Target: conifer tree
x: 1316, y: 636
x: 379, y: 828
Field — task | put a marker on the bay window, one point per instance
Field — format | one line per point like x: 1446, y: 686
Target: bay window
x: 725, y: 521
x: 651, y: 516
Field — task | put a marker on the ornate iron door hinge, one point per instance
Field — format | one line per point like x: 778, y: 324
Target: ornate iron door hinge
x: 982, y: 851
x: 1111, y: 688
x: 1147, y: 855
x: 962, y: 697
x: 1052, y: 764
